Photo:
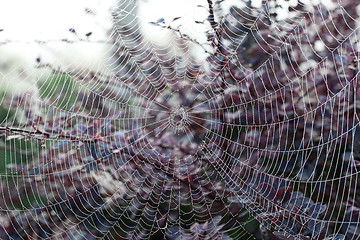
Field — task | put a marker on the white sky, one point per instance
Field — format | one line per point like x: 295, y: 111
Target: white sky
x: 25, y: 21
x: 48, y: 19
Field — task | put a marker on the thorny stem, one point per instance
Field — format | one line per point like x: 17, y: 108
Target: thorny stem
x: 45, y: 135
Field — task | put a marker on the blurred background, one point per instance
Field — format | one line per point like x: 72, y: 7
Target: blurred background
x: 41, y: 30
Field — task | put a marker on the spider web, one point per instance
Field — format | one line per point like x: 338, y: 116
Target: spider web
x: 259, y: 142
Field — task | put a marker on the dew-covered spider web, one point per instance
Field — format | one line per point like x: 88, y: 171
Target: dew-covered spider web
x: 259, y: 139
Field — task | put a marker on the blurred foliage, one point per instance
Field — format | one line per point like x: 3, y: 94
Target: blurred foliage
x: 61, y: 89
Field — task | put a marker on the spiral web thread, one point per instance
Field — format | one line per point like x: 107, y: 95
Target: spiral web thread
x: 153, y: 145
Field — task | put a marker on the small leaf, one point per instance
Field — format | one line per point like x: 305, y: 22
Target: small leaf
x: 72, y: 30
x: 195, y: 228
x: 335, y: 237
x: 283, y: 194
x: 315, y: 227
x: 161, y: 20
x: 284, y: 236
x: 240, y: 199
x: 316, y: 209
x: 302, y: 202
x: 267, y: 190
x: 216, y: 220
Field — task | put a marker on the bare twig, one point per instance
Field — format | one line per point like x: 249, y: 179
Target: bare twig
x: 46, y: 135
x: 212, y: 18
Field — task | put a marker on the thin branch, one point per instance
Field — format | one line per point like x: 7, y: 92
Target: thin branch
x: 42, y: 135
x: 183, y: 36
x: 212, y: 18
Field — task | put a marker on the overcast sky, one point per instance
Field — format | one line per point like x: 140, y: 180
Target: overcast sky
x: 23, y: 21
